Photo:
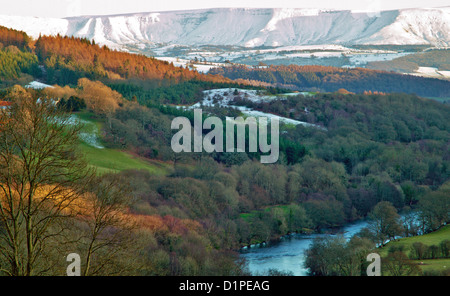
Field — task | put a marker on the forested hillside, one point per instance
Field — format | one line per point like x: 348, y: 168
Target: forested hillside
x: 329, y: 79
x: 14, y: 37
x: 191, y: 219
x: 439, y: 59
x: 66, y: 59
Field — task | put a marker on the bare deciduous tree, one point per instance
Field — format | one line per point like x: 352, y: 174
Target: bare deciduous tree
x: 398, y: 264
x: 41, y: 176
x: 51, y: 203
x: 108, y: 239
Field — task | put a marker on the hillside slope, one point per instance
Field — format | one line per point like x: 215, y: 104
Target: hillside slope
x: 249, y: 27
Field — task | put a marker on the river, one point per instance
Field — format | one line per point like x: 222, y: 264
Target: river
x: 288, y: 254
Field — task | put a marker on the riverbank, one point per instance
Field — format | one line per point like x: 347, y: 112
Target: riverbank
x: 427, y: 265
x: 287, y: 255
x: 304, y: 234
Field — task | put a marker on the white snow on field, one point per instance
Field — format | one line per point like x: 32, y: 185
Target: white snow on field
x: 91, y: 139
x: 285, y: 120
x: 200, y: 67
x: 431, y: 72
x: 446, y: 74
x: 89, y: 133
x: 426, y: 70
x: 314, y: 47
x: 37, y: 85
x: 321, y: 54
x: 364, y: 58
x: 224, y: 97
x: 283, y: 55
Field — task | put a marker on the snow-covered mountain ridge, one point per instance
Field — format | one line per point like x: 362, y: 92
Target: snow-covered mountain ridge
x: 249, y: 27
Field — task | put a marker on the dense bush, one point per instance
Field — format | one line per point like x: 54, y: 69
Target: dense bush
x: 421, y: 251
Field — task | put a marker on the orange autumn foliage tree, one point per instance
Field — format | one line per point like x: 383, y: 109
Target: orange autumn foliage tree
x: 59, y: 92
x: 82, y: 55
x: 14, y: 37
x: 98, y: 97
x: 156, y: 223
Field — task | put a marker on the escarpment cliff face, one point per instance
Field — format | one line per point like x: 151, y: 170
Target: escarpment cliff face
x: 249, y: 27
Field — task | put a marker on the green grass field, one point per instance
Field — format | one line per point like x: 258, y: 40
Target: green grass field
x: 434, y: 264
x: 113, y: 160
x: 429, y: 239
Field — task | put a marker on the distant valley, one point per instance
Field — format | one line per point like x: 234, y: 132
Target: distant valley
x: 259, y: 36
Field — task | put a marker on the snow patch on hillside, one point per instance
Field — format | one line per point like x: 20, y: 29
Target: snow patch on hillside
x: 287, y: 13
x: 89, y: 132
x: 416, y: 26
x: 199, y: 66
x: 431, y: 72
x: 224, y: 97
x: 37, y: 85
